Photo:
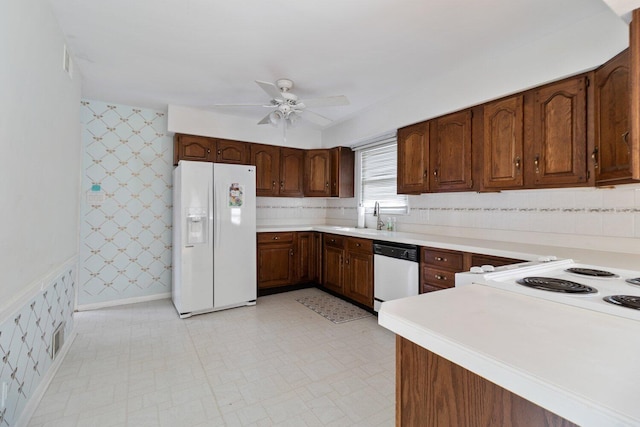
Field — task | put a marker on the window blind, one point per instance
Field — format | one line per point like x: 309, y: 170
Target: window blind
x: 378, y: 178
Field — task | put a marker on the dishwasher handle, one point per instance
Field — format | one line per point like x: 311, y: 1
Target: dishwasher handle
x: 396, y: 250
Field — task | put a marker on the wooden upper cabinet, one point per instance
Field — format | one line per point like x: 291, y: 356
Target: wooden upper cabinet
x: 413, y: 159
x: 557, y: 154
x: 291, y: 172
x: 634, y: 51
x: 503, y: 122
x: 266, y: 159
x: 342, y: 172
x: 317, y: 173
x: 450, y: 152
x: 229, y: 151
x: 191, y: 147
x: 612, y: 153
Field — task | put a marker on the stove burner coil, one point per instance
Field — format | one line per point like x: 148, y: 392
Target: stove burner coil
x: 628, y: 301
x: 556, y: 285
x: 634, y: 281
x: 590, y: 272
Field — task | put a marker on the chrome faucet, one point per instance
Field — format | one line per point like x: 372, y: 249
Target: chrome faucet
x: 376, y: 213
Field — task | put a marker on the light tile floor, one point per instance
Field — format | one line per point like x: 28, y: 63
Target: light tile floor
x: 277, y: 363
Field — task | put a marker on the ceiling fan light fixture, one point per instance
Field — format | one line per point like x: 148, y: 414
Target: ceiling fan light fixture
x: 275, y: 117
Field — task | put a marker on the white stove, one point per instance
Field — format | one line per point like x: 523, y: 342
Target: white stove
x: 556, y: 281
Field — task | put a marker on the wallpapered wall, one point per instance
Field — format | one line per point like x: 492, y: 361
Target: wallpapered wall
x: 25, y: 342
x: 125, y: 240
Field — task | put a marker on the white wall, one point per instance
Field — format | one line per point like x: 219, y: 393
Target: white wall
x: 578, y: 48
x: 40, y: 139
x: 208, y: 123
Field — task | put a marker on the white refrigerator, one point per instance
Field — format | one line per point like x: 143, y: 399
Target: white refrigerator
x: 214, y: 237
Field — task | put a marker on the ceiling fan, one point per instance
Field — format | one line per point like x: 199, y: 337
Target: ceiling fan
x: 288, y: 108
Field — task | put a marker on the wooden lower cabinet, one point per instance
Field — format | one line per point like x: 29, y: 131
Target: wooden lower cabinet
x: 276, y: 259
x: 308, y: 257
x: 438, y: 267
x: 433, y: 391
x: 348, y: 267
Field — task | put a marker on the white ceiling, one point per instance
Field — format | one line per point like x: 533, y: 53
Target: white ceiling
x: 151, y: 53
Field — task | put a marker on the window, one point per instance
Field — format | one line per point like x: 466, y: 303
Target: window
x: 377, y: 166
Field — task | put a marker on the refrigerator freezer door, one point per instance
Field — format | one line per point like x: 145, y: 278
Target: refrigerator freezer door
x: 192, y: 237
x: 234, y: 235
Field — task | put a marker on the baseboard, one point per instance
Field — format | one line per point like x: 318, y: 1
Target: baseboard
x: 34, y: 400
x: 115, y: 303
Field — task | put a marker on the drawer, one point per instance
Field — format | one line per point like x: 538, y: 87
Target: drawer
x: 480, y: 259
x: 355, y: 244
x: 438, y: 277
x: 281, y: 237
x: 334, y: 240
x: 442, y: 258
x: 424, y: 288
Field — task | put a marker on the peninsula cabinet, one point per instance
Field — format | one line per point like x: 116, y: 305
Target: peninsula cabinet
x: 450, y: 152
x: 279, y: 170
x: 611, y: 155
x: 556, y: 137
x: 503, y: 143
x: 413, y: 159
x: 433, y: 391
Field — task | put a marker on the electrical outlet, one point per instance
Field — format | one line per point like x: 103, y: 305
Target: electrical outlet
x: 4, y: 394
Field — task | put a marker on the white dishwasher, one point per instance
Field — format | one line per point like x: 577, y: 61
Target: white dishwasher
x: 395, y: 271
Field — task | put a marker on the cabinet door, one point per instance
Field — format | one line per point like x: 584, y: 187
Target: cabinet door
x: 612, y: 155
x: 291, y: 172
x: 413, y: 159
x: 307, y: 257
x: 558, y: 150
x: 266, y: 159
x: 195, y: 148
x: 236, y: 152
x: 503, y: 143
x: 333, y: 262
x: 450, y: 153
x: 358, y: 283
x: 275, y: 264
x: 634, y: 51
x: 342, y: 172
x: 317, y: 173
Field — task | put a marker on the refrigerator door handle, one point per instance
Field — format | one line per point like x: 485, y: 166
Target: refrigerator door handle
x: 211, y: 206
x: 217, y: 204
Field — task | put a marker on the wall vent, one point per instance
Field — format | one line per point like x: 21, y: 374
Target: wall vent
x: 57, y: 340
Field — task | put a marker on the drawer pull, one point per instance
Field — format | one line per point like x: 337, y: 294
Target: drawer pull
x: 276, y: 238
x: 439, y: 258
x: 358, y: 244
x: 440, y: 277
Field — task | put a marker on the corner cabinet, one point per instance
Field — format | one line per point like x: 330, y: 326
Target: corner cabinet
x: 450, y: 152
x: 317, y: 173
x: 557, y: 140
x: 413, y: 159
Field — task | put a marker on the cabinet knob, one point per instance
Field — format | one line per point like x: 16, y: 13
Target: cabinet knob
x: 536, y: 163
x: 327, y: 185
x: 208, y: 150
x: 282, y: 185
x: 276, y: 237
x: 625, y: 138
x: 358, y: 244
x: 273, y: 184
x: 517, y: 162
x: 219, y: 152
x: 440, y: 277
x: 435, y: 174
x: 594, y: 156
x: 426, y: 172
x: 439, y: 258
x: 347, y: 261
x: 291, y: 252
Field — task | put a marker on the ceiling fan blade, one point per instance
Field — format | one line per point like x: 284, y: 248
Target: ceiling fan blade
x: 266, y: 120
x: 315, y: 118
x: 270, y: 88
x: 329, y: 101
x: 243, y: 105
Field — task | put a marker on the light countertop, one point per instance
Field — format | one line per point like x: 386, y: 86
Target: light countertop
x: 518, y: 250
x: 577, y: 363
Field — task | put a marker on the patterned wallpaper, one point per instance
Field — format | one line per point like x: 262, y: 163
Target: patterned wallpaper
x: 25, y: 342
x: 125, y: 230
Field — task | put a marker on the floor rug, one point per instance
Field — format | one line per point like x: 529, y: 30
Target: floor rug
x: 332, y: 308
